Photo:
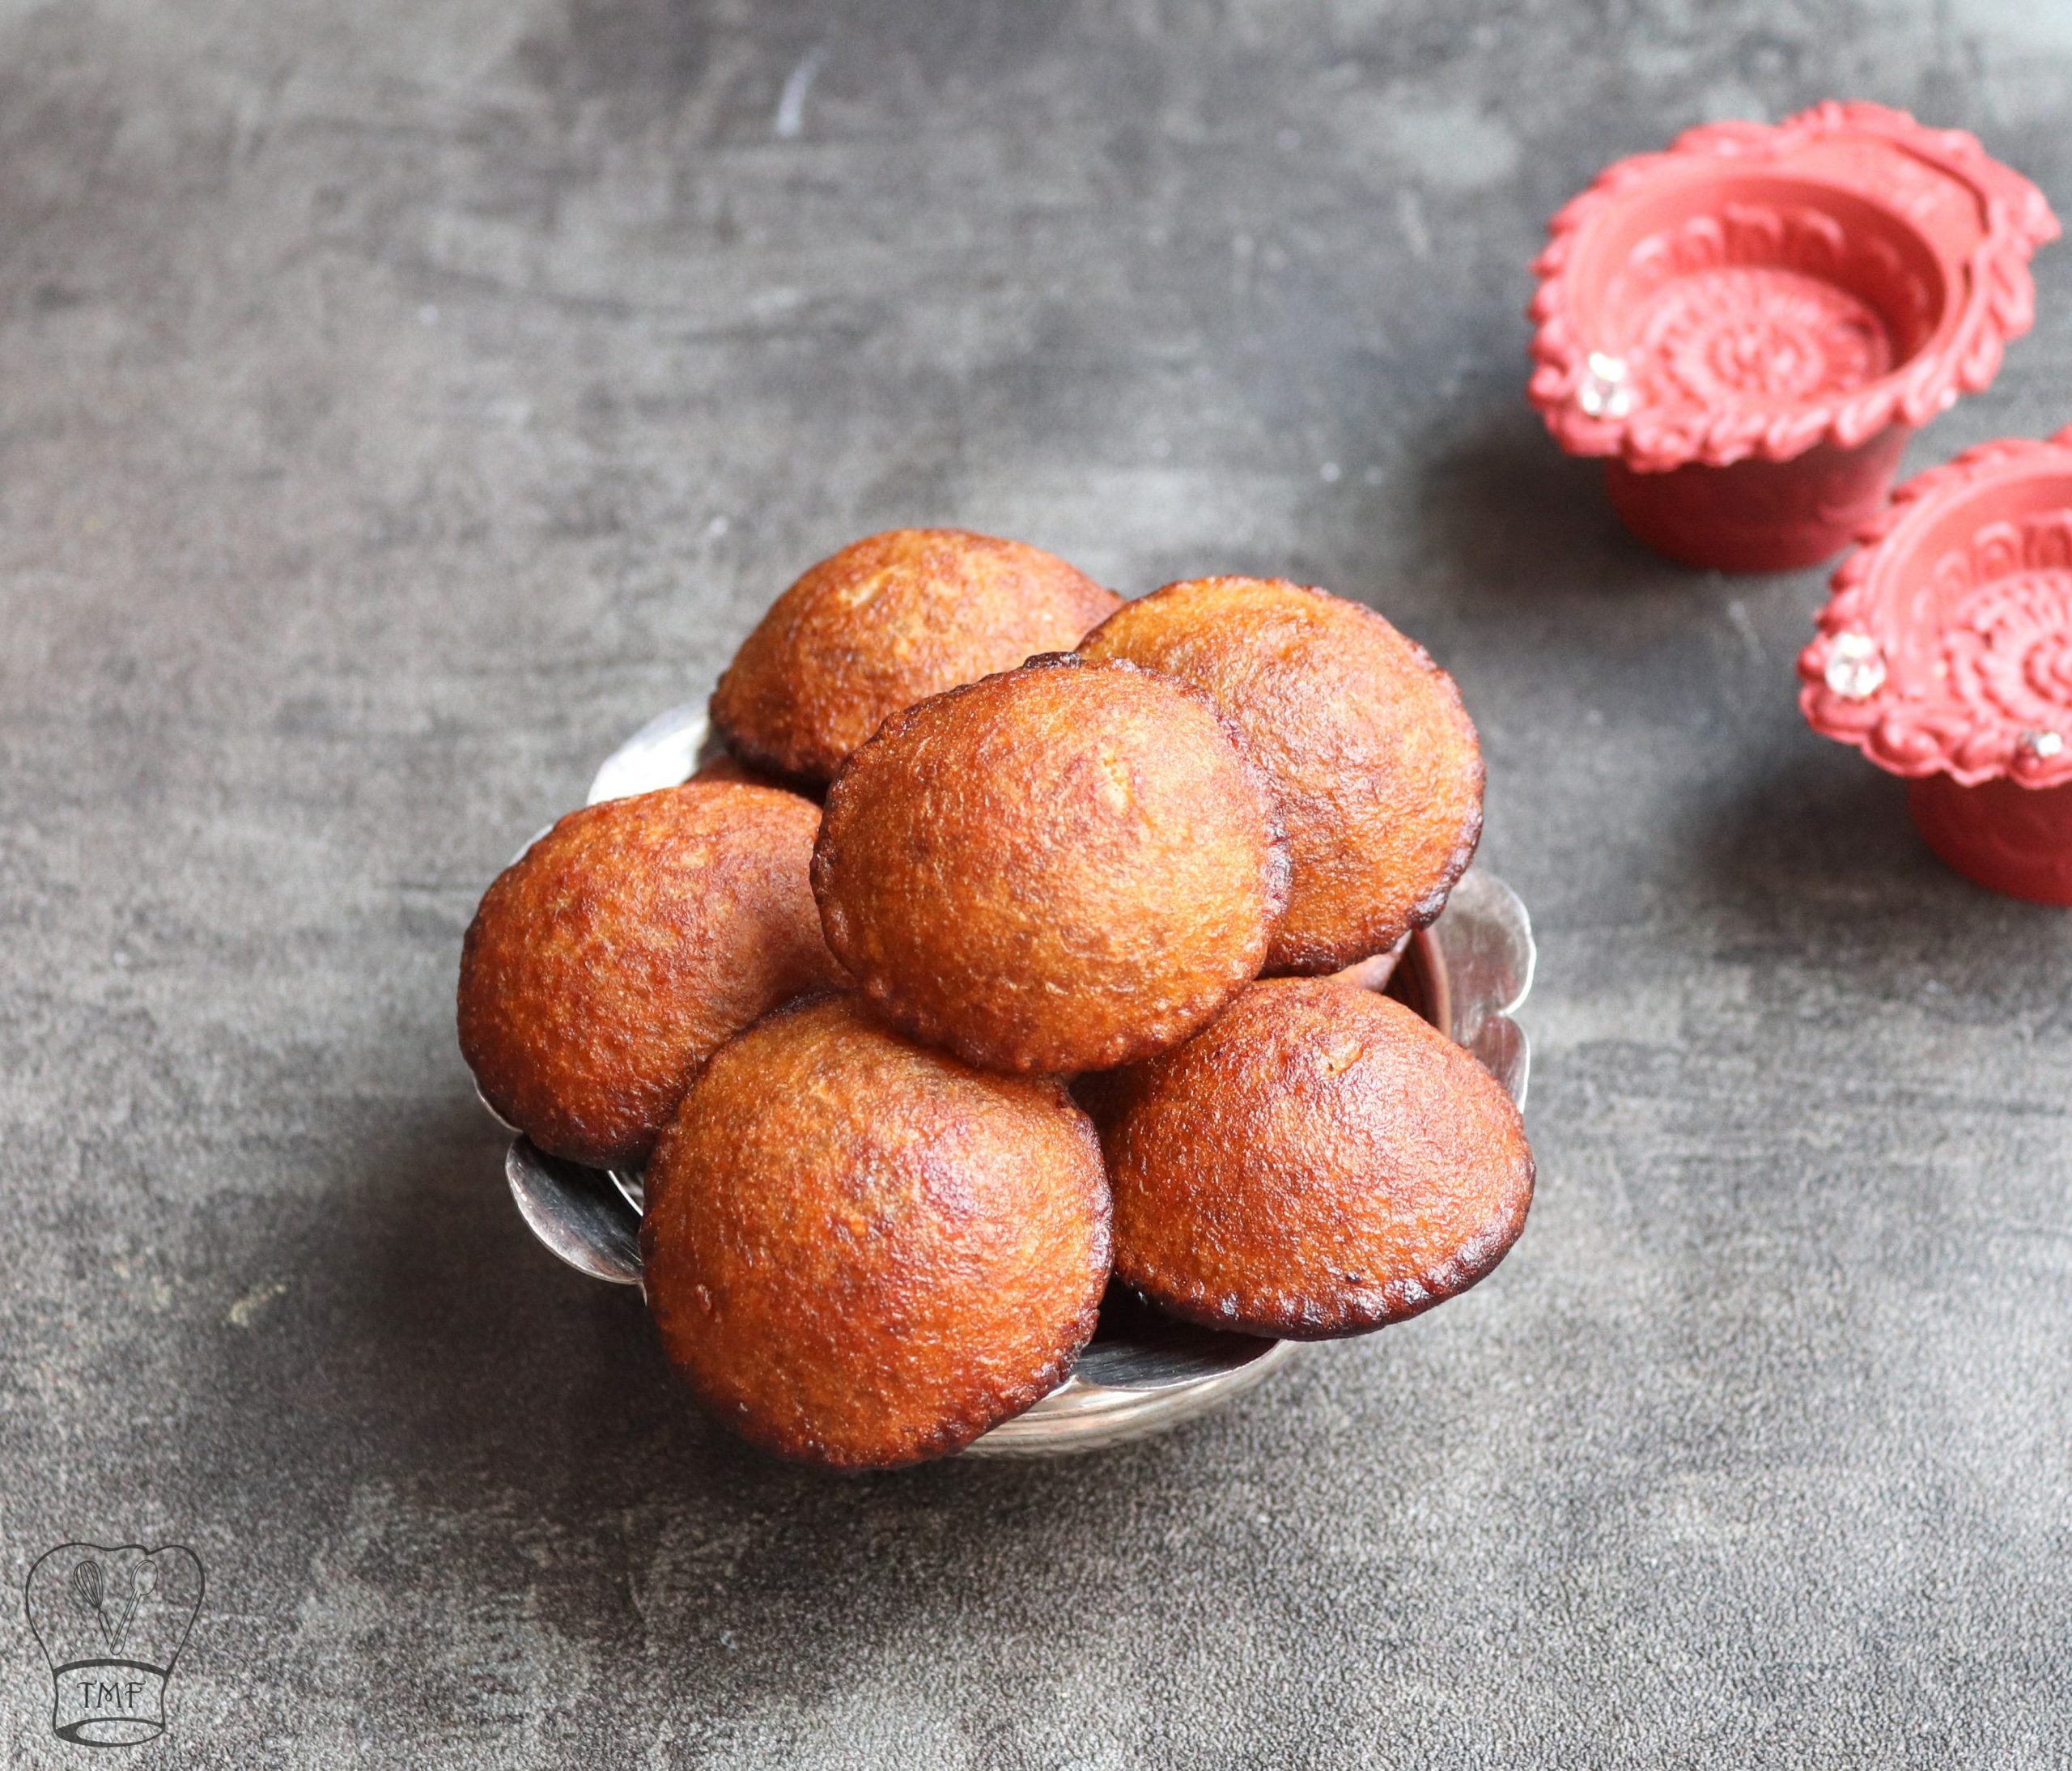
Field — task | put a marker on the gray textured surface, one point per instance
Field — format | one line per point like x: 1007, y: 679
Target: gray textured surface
x: 403, y: 401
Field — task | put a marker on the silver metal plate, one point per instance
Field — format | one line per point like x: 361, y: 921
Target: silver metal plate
x: 1467, y: 974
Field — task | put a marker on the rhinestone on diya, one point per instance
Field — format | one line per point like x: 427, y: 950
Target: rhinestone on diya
x: 1963, y: 593
x: 1748, y: 326
x: 1466, y: 974
x: 1856, y: 667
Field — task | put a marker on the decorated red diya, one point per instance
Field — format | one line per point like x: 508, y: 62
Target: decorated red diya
x: 1945, y: 654
x: 1748, y: 326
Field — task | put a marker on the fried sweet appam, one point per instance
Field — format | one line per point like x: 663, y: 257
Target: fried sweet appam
x: 885, y: 622
x: 1363, y: 739
x: 1318, y: 1161
x: 1058, y: 869
x: 863, y: 1252
x: 608, y: 961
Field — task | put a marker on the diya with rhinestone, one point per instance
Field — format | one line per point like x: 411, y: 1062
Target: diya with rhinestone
x: 1747, y: 326
x: 1945, y: 656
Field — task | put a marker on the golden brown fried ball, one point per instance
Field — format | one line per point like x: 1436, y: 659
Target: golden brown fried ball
x: 1363, y: 737
x: 609, y: 960
x: 887, y: 622
x: 864, y: 1253
x: 1065, y: 867
x: 1317, y: 1161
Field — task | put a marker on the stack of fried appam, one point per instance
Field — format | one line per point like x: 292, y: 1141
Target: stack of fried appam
x: 1061, y: 839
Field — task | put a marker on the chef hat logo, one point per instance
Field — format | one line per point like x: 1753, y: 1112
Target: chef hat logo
x: 112, y: 1622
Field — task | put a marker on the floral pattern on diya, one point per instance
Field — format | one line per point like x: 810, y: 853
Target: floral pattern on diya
x: 1751, y: 334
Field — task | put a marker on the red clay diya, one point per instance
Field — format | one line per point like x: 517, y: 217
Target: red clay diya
x: 1748, y: 326
x: 1945, y: 656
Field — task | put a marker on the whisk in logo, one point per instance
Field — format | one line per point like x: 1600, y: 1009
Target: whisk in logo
x: 111, y: 1623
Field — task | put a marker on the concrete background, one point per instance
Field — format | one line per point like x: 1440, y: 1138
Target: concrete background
x: 404, y: 401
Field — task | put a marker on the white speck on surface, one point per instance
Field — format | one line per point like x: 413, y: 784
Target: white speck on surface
x: 1329, y: 473
x: 717, y: 528
x: 1732, y: 101
x: 1410, y: 216
x: 1737, y: 617
x: 2032, y: 24
x: 247, y: 1307
x: 791, y: 119
x: 428, y: 314
x: 1446, y: 145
